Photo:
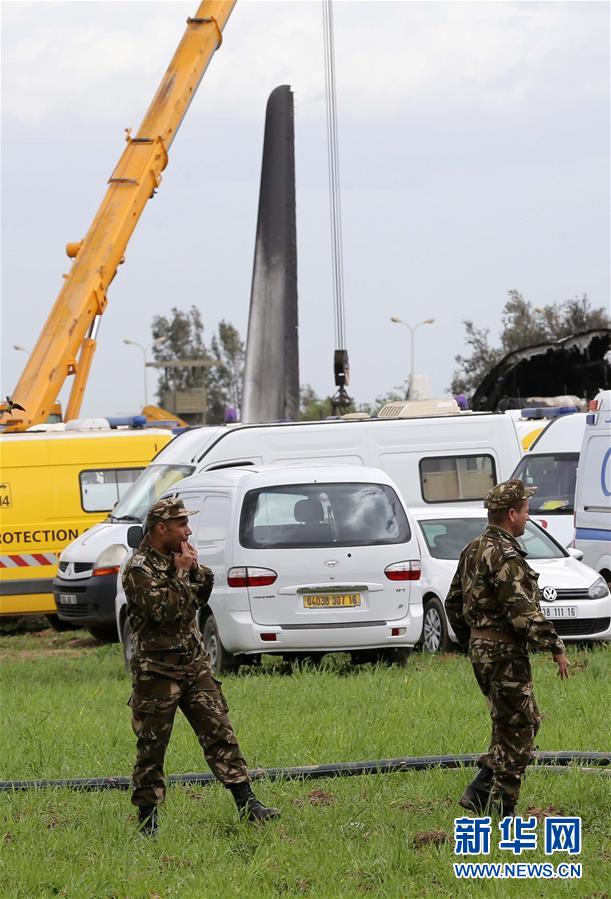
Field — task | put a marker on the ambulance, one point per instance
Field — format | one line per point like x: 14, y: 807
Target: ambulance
x: 550, y: 465
x: 593, y: 491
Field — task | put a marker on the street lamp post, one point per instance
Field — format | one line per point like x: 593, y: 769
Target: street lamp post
x: 412, y: 330
x: 158, y: 342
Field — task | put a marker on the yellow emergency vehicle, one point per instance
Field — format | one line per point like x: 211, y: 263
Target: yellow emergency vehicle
x: 53, y: 487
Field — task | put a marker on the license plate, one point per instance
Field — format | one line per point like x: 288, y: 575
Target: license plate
x: 67, y: 599
x: 332, y: 601
x: 560, y: 611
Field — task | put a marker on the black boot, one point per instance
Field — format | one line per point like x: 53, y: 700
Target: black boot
x: 249, y: 807
x: 476, y: 797
x: 147, y: 815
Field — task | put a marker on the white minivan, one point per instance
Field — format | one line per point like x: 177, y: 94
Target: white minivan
x: 305, y: 561
x: 593, y: 492
x: 431, y: 459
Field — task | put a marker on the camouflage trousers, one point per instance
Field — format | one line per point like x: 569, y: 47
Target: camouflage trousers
x: 507, y: 686
x: 156, y: 696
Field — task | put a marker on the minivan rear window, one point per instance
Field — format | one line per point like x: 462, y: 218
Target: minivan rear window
x: 342, y: 514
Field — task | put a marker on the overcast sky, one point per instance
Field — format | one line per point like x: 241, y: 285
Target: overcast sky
x: 474, y: 158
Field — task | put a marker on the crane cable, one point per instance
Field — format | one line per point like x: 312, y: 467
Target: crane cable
x: 334, y: 188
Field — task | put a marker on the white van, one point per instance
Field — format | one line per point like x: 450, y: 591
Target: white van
x: 551, y: 466
x: 437, y: 459
x: 593, y: 493
x: 305, y: 561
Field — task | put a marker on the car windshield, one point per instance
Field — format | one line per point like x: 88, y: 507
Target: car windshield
x: 447, y: 537
x: 345, y: 514
x: 148, y: 487
x: 554, y: 476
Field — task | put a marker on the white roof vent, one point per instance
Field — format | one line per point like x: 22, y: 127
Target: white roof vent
x: 45, y: 426
x: 419, y: 408
x: 88, y: 424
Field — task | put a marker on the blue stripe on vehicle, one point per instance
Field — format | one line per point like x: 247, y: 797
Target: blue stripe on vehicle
x: 603, y: 473
x: 593, y: 534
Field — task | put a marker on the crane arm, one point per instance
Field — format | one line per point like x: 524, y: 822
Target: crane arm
x: 70, y: 328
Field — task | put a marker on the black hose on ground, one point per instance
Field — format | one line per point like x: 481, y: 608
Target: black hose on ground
x: 314, y: 772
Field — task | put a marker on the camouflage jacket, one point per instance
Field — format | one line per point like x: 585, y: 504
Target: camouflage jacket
x: 495, y: 587
x: 162, y: 602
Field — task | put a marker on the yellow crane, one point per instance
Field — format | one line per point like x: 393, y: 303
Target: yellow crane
x: 68, y: 339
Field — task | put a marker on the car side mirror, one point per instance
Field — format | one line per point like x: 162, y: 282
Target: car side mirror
x: 576, y: 553
x: 134, y: 536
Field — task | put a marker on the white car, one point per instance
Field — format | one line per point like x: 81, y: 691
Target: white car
x: 305, y: 560
x: 573, y: 595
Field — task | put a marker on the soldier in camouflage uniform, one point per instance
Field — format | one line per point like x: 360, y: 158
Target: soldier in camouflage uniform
x: 493, y: 607
x: 165, y: 588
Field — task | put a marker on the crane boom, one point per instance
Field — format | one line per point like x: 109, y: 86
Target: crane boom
x: 70, y: 329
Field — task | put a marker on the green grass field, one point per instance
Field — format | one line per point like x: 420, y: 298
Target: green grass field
x: 64, y: 714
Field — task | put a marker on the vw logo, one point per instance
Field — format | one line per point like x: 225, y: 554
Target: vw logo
x: 550, y: 594
x: 331, y: 563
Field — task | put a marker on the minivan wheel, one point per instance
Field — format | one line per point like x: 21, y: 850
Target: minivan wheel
x: 128, y: 646
x: 221, y: 659
x: 105, y: 633
x: 435, y: 628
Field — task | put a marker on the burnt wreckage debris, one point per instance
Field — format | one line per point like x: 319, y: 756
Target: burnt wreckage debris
x: 579, y: 365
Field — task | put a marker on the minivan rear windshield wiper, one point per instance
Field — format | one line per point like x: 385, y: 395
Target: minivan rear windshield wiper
x: 126, y: 518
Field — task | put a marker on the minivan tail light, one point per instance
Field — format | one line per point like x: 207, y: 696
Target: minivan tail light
x: 250, y: 577
x: 403, y: 571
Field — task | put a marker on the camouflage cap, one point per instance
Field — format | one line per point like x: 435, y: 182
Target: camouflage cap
x: 507, y: 494
x: 164, y: 509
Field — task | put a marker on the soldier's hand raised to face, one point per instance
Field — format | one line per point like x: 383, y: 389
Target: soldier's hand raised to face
x: 184, y: 559
x: 563, y: 665
x: 192, y: 552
